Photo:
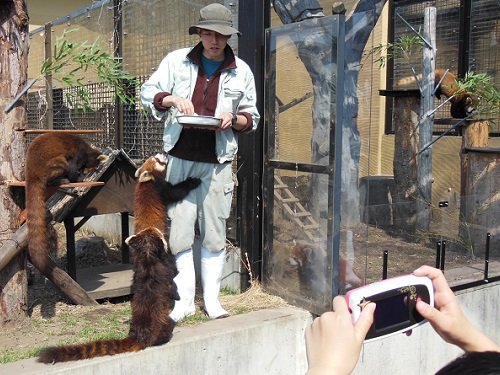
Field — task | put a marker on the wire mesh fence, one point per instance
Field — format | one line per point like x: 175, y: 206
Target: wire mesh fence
x: 138, y: 32
x: 464, y: 37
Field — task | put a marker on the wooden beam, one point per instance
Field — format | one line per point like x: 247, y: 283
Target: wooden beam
x: 66, y: 185
x: 70, y: 131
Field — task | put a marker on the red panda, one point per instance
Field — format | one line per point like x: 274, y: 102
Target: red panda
x: 310, y: 263
x: 153, y: 193
x: 154, y: 292
x: 51, y: 159
x: 462, y: 104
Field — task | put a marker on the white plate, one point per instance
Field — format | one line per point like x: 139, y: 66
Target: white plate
x: 199, y: 121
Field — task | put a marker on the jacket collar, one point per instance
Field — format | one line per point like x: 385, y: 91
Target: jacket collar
x: 229, y: 60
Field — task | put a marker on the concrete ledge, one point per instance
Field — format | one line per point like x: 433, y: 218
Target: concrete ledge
x: 261, y: 342
x: 271, y: 342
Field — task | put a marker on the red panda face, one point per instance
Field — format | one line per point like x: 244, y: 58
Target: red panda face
x: 147, y: 240
x: 154, y: 167
x: 464, y: 105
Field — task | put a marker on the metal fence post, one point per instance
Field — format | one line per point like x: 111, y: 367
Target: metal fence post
x: 118, y: 52
x: 49, y: 97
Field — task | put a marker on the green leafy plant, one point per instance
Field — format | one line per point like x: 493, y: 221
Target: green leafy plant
x: 404, y: 47
x: 71, y: 61
x: 481, y: 85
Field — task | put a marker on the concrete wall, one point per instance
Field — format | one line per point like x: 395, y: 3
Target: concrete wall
x: 271, y: 342
x: 258, y: 343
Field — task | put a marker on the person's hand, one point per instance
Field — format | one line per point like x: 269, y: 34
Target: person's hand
x: 184, y: 105
x: 333, y: 342
x: 226, y: 120
x: 447, y: 317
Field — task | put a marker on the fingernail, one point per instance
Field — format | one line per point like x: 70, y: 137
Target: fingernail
x: 422, y: 304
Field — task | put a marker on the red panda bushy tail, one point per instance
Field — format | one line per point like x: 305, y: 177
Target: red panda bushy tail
x: 37, y: 222
x: 93, y: 349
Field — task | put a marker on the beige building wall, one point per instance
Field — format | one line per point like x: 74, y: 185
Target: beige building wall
x: 43, y: 11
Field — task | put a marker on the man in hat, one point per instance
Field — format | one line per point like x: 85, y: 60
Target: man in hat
x: 207, y: 80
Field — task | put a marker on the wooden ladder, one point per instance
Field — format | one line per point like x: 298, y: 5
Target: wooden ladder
x: 295, y: 210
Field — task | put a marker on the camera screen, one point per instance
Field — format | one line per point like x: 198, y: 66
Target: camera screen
x: 391, y: 311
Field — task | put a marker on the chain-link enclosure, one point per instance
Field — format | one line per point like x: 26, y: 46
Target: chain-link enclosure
x: 141, y: 34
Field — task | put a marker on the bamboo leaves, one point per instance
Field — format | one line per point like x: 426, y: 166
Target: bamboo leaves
x: 481, y: 85
x: 404, y: 47
x: 73, y: 61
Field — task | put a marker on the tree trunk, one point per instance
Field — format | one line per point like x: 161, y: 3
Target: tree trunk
x: 405, y: 120
x: 14, y: 41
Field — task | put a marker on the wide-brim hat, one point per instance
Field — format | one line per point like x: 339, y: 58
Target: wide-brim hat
x: 215, y: 17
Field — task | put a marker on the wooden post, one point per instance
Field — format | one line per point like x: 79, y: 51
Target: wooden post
x: 125, y: 233
x: 474, y: 134
x: 69, y: 225
x: 405, y: 120
x: 424, y: 162
x: 479, y: 203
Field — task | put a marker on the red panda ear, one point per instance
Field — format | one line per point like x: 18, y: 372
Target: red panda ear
x: 144, y: 176
x: 161, y: 158
x: 127, y: 240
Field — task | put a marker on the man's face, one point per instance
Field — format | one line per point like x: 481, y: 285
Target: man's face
x: 213, y: 44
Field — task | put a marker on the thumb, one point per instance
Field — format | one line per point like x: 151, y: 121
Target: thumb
x: 365, y: 320
x: 427, y: 311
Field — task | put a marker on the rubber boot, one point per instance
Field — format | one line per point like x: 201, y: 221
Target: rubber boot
x: 186, y: 286
x: 212, y: 265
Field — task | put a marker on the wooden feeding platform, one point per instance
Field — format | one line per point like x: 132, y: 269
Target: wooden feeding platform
x: 108, y: 281
x: 68, y: 185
